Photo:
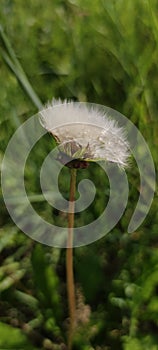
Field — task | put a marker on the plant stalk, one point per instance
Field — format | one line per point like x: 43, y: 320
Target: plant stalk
x: 69, y: 258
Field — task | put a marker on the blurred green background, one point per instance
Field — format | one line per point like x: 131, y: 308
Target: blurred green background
x: 104, y: 52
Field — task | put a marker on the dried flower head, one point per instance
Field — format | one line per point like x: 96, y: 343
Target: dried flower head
x: 86, y: 133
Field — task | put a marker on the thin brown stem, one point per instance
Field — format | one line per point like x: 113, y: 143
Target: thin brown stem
x: 69, y: 258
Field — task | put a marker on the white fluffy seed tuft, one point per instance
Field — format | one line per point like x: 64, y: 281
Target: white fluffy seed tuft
x: 84, y: 132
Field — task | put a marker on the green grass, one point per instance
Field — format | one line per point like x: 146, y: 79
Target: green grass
x: 103, y: 52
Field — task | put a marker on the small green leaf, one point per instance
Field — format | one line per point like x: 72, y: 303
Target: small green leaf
x: 13, y: 339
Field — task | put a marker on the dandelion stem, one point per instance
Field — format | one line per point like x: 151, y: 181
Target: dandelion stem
x: 69, y: 258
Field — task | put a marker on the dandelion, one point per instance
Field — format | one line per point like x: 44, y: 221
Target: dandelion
x: 80, y: 137
x: 83, y: 134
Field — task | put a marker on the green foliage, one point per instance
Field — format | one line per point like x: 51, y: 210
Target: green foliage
x: 102, y: 52
x: 12, y: 338
x: 140, y: 344
x: 46, y: 282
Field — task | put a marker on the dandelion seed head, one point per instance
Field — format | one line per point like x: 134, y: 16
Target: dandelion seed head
x: 84, y: 132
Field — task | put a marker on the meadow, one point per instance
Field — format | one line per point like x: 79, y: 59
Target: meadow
x: 104, y: 52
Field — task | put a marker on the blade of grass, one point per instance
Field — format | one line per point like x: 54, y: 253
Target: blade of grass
x: 154, y: 21
x: 125, y: 58
x: 12, y: 62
